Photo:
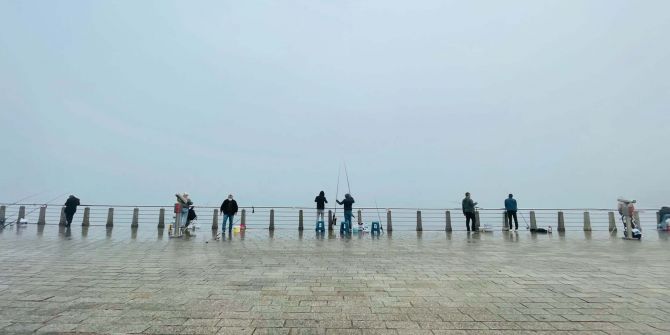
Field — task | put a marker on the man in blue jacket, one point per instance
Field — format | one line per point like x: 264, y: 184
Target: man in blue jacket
x: 510, y: 207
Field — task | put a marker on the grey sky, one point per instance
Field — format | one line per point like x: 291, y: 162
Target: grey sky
x: 563, y: 103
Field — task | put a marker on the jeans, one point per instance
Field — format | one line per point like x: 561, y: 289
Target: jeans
x: 228, y: 217
x: 319, y: 213
x: 470, y: 216
x: 510, y: 215
x: 184, y: 217
x: 347, y: 217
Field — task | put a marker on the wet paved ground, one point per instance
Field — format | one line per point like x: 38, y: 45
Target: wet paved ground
x: 118, y: 281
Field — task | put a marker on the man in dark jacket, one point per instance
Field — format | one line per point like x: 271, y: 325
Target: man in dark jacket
x: 510, y: 207
x: 229, y: 209
x: 348, y: 207
x: 469, y: 212
x: 70, y: 208
x: 320, y: 205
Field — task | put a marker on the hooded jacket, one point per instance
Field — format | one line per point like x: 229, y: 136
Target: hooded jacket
x: 71, y: 204
x: 347, y: 202
x: 320, y: 201
x: 468, y: 205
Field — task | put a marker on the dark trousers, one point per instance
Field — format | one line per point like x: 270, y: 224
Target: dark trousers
x: 510, y: 215
x: 468, y: 217
x: 68, y: 217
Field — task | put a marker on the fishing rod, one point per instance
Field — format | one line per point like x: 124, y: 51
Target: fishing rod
x: 28, y: 197
x: 337, y: 192
x: 347, y: 174
x: 33, y: 211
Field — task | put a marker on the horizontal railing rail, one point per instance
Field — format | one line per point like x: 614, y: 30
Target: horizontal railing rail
x: 297, y: 217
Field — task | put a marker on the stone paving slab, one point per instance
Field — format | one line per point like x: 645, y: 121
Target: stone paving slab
x: 96, y: 281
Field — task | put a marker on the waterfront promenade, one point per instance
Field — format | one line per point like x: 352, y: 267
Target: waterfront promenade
x: 119, y: 280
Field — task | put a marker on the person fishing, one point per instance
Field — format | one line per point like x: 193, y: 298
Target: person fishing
x: 348, y: 202
x: 186, y: 203
x: 469, y: 212
x: 228, y: 209
x: 321, y: 202
x: 70, y: 208
x: 511, y: 209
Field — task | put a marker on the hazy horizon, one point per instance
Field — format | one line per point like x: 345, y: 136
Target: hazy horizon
x: 563, y: 103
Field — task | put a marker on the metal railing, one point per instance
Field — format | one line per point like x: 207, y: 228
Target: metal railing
x: 277, y: 217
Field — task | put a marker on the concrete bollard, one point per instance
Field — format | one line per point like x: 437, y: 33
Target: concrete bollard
x: 3, y: 211
x: 419, y: 224
x: 612, y: 221
x: 629, y: 227
x: 272, y: 220
x: 636, y: 216
x: 330, y: 220
x: 533, y: 220
x: 447, y: 225
x: 43, y: 215
x: 360, y: 217
x: 87, y: 217
x: 243, y: 218
x: 300, y: 221
x: 658, y: 218
x: 110, y: 218
x: 62, y: 220
x: 561, y: 221
x: 22, y: 214
x: 505, y: 226
x: 389, y: 223
x: 215, y: 219
x: 161, y: 218
x: 136, y: 218
x: 478, y: 223
x: 587, y: 221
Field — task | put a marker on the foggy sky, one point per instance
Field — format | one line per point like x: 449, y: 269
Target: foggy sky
x: 563, y: 103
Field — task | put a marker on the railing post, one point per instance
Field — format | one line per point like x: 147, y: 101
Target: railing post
x: 636, y: 215
x: 3, y: 210
x: 87, y: 217
x: 629, y: 227
x: 136, y: 218
x: 243, y: 218
x: 43, y: 215
x: 300, y: 221
x: 330, y: 220
x: 533, y: 220
x: 161, y: 218
x: 419, y: 224
x: 272, y: 220
x: 612, y: 221
x: 22, y: 214
x: 658, y: 218
x: 389, y: 223
x: 215, y: 219
x: 62, y: 220
x: 561, y: 221
x: 447, y: 216
x: 587, y: 221
x: 360, y: 217
x: 505, y: 226
x: 478, y: 222
x: 110, y: 217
